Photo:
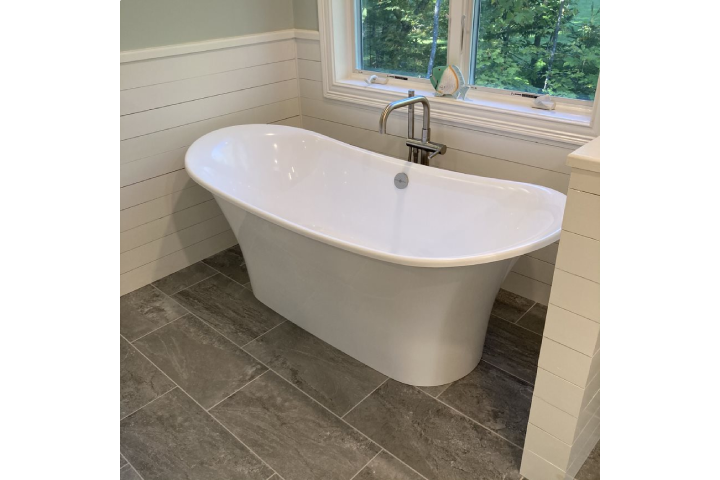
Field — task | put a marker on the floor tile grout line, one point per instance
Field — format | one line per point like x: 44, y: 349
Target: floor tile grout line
x: 526, y: 382
x: 208, y: 323
x: 471, y: 419
x: 227, y: 276
x: 135, y: 470
x: 162, y: 326
x: 444, y: 389
x: 236, y: 391
x: 151, y: 401
x: 365, y: 397
x: 398, y: 459
x: 211, y: 415
x: 519, y: 326
x: 170, y: 295
x: 217, y: 272
x: 307, y: 395
x: 338, y: 417
x: 525, y: 313
x: 368, y: 463
x: 263, y: 334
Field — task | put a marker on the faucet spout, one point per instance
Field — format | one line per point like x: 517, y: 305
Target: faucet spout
x: 422, y: 146
x: 404, y: 102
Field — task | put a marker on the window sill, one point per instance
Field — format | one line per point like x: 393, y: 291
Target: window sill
x: 568, y: 125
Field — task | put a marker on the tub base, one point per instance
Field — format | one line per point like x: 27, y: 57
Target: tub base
x: 420, y: 326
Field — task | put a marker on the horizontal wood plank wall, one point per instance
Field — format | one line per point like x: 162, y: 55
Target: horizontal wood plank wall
x: 168, y: 222
x: 469, y: 151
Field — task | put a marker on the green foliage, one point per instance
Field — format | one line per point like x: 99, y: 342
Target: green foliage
x: 397, y: 36
x: 538, y: 46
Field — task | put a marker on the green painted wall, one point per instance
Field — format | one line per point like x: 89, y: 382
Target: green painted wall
x: 306, y: 14
x: 154, y: 23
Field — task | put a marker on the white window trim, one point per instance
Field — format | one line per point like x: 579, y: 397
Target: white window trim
x: 572, y: 123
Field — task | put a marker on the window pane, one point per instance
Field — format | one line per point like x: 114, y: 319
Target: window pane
x: 539, y: 46
x: 405, y: 37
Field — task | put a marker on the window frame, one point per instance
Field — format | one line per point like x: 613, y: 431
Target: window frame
x: 573, y: 122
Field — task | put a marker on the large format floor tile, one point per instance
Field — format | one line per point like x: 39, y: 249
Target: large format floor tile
x: 534, y: 319
x: 436, y: 441
x: 436, y: 390
x: 387, y: 467
x: 146, y: 309
x: 297, y: 437
x: 129, y: 473
x: 493, y: 398
x: 182, y: 279
x: 201, y: 361
x: 230, y: 262
x: 591, y: 468
x: 140, y: 381
x: 512, y: 349
x: 230, y: 308
x: 509, y: 306
x: 331, y: 377
x: 174, y: 439
x: 194, y: 340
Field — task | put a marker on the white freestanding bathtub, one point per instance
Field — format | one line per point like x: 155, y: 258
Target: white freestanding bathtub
x: 401, y: 279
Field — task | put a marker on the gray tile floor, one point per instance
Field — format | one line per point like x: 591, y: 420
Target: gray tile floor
x: 215, y: 385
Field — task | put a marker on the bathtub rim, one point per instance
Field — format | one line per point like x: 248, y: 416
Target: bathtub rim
x: 422, y: 262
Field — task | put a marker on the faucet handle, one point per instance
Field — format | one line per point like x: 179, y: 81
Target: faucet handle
x: 411, y: 93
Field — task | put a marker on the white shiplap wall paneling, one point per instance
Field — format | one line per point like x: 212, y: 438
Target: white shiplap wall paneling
x: 168, y: 264
x: 167, y: 225
x: 582, y: 214
x: 154, y: 166
x: 165, y: 94
x: 160, y: 207
x: 471, y: 141
x: 291, y: 122
x: 534, y: 268
x: 309, y: 70
x: 308, y: 50
x: 150, y: 121
x: 168, y: 244
x: 546, y: 254
x: 168, y: 222
x: 527, y: 287
x: 180, y: 67
x: 182, y: 136
x: 311, y: 89
x: 153, y: 188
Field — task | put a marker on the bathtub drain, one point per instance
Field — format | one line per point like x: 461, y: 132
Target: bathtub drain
x: 401, y: 180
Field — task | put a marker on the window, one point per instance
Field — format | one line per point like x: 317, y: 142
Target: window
x: 403, y: 37
x: 534, y: 46
x: 537, y: 46
x: 509, y: 51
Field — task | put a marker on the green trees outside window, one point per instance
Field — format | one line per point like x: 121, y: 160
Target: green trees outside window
x: 404, y: 37
x: 537, y: 46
